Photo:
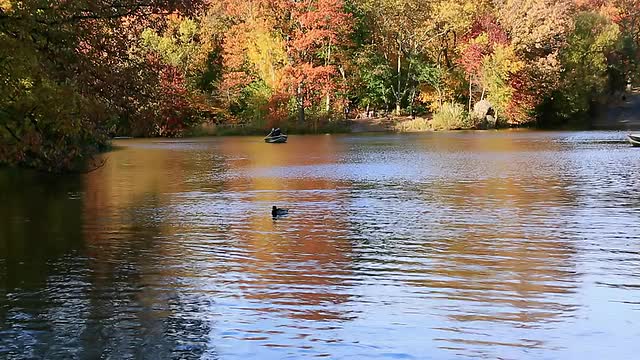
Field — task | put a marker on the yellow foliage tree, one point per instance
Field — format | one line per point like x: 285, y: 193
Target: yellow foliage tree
x: 267, y: 55
x: 496, y: 71
x: 5, y: 5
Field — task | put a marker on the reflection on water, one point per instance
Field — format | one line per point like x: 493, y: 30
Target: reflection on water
x: 507, y: 245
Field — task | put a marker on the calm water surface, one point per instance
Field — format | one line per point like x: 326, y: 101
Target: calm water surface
x: 510, y: 245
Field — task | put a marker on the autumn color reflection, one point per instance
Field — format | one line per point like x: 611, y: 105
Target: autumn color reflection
x: 296, y: 260
x: 124, y: 231
x: 503, y: 261
x: 477, y: 245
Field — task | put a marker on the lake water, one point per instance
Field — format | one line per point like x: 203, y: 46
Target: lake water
x: 477, y: 245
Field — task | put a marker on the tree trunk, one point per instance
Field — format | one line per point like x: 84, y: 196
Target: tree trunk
x: 301, y: 114
x: 398, y: 96
x: 328, y: 60
x: 300, y: 106
x: 470, y: 94
x: 328, y: 104
x: 412, y: 99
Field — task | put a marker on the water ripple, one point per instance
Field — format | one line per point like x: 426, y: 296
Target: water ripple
x: 514, y: 245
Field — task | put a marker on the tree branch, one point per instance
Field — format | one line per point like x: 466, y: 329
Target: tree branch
x: 13, y: 134
x: 94, y: 167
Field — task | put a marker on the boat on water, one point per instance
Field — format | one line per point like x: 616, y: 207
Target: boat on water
x: 276, y: 137
x: 280, y: 139
x: 634, y: 139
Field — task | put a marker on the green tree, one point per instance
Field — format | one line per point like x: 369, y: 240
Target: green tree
x: 400, y: 31
x: 584, y: 60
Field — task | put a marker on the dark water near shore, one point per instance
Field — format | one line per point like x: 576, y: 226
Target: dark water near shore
x: 510, y: 245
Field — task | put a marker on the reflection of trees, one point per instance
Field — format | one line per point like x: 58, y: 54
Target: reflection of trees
x: 296, y: 268
x: 504, y: 249
x: 137, y: 305
x: 502, y: 261
x: 40, y: 219
x: 42, y: 284
x: 479, y: 237
x: 295, y: 263
x: 88, y: 269
x: 171, y: 245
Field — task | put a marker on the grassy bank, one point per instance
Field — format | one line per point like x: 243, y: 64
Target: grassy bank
x: 450, y: 117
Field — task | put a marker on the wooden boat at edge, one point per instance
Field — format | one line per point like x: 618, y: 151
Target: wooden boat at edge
x: 634, y: 139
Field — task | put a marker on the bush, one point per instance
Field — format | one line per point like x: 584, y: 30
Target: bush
x: 414, y: 125
x: 452, y: 116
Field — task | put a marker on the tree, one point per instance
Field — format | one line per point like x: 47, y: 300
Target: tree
x: 254, y: 58
x: 485, y: 61
x: 497, y: 78
x: 585, y: 65
x: 318, y: 28
x: 400, y: 30
x: 66, y: 73
x: 374, y: 77
x: 186, y: 61
x: 289, y: 46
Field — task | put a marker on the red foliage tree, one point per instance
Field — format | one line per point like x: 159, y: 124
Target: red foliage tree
x: 318, y: 28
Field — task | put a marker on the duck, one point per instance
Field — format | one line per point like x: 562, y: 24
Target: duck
x: 275, y: 212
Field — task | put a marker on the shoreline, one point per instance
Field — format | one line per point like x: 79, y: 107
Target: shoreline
x: 385, y: 132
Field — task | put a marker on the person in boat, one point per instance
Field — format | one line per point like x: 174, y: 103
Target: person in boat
x: 276, y: 132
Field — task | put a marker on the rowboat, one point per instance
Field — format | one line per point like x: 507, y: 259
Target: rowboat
x: 278, y: 139
x: 634, y: 139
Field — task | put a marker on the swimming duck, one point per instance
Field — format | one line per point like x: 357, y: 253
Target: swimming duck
x: 278, y: 212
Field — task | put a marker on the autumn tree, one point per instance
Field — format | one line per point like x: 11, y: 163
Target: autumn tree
x: 319, y: 28
x: 254, y: 57
x: 538, y: 30
x: 66, y: 74
x: 186, y: 58
x: 399, y: 31
x: 625, y: 61
x: 585, y: 64
x: 488, y: 58
x: 512, y: 58
x: 284, y: 49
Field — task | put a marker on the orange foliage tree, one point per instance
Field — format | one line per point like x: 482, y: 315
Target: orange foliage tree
x: 284, y: 50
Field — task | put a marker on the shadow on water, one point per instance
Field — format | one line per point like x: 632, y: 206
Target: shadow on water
x: 40, y: 221
x: 74, y: 283
x: 42, y: 271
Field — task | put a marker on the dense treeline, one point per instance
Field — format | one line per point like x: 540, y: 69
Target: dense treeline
x: 73, y: 73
